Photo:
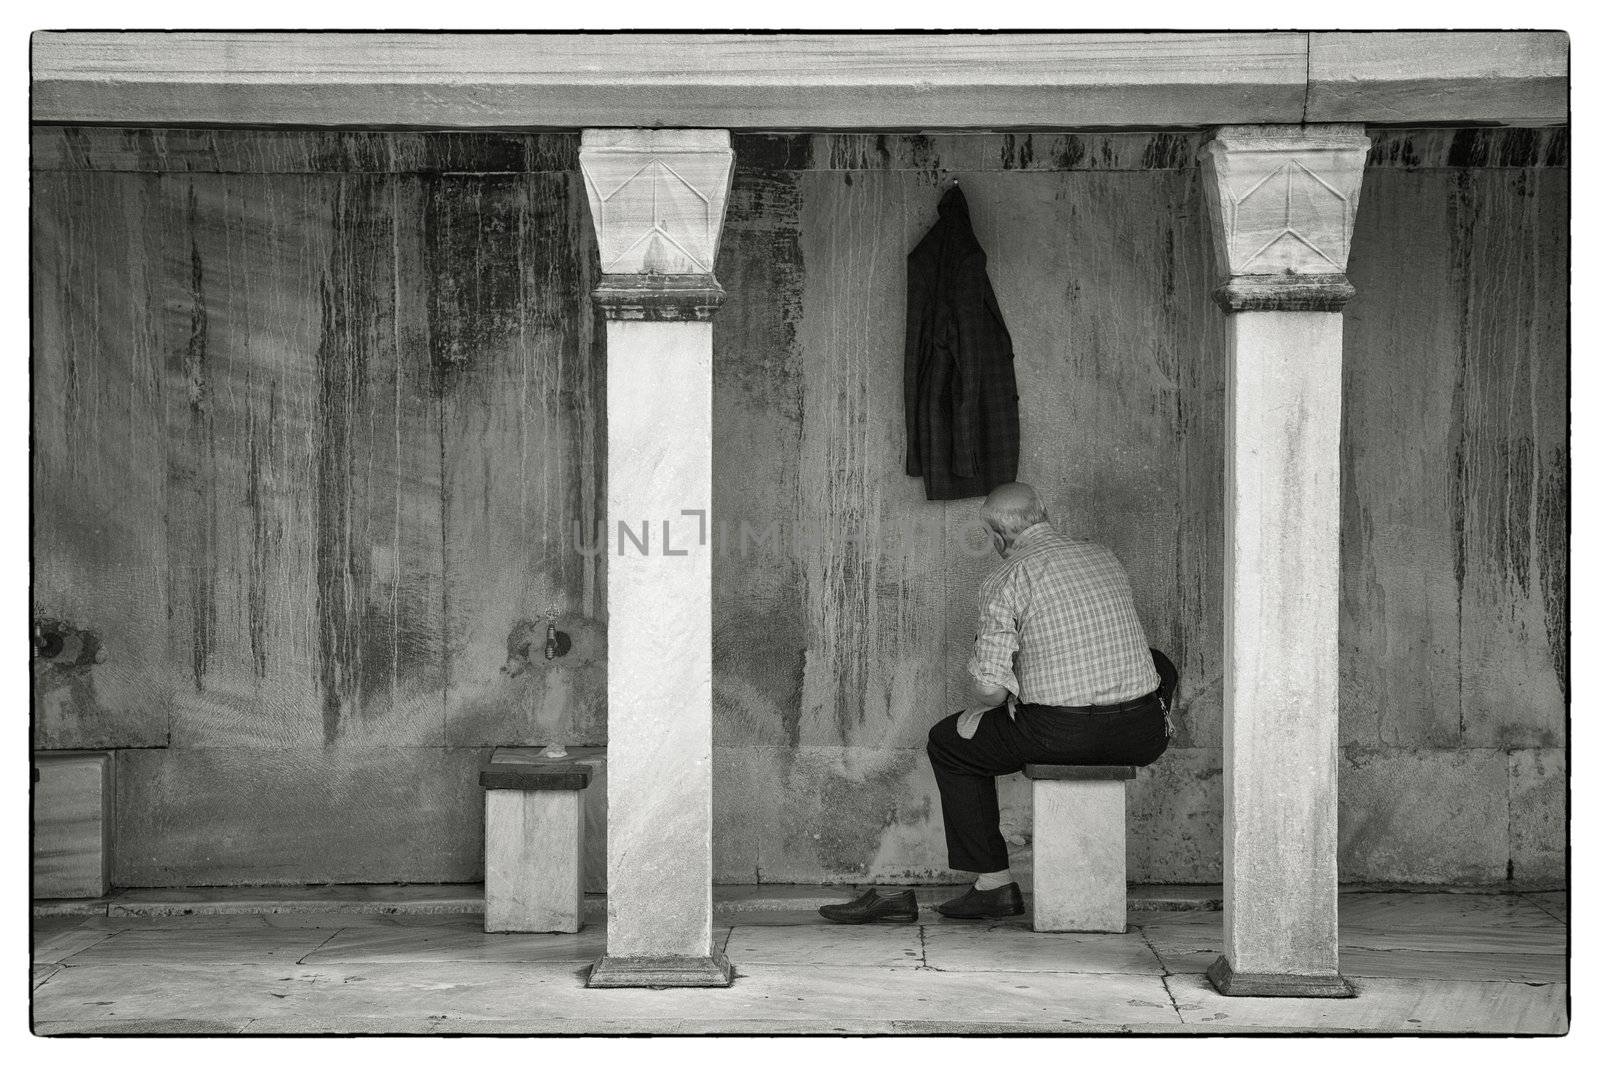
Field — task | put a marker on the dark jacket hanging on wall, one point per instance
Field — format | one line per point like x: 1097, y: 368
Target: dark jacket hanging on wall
x: 961, y: 391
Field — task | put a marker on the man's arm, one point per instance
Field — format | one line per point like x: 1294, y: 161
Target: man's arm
x: 990, y: 678
x: 981, y: 695
x: 989, y: 671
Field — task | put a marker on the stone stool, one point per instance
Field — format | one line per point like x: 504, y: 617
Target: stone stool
x: 1080, y: 840
x: 533, y: 842
x: 71, y: 824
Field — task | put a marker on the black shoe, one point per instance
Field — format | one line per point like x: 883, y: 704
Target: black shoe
x: 869, y: 907
x: 978, y: 903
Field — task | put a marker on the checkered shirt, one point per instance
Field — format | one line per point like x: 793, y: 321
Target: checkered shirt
x: 1064, y: 610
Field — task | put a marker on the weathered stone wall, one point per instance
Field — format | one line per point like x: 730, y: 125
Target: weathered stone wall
x: 317, y: 414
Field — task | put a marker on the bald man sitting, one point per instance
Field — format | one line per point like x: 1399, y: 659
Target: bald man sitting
x: 1060, y: 673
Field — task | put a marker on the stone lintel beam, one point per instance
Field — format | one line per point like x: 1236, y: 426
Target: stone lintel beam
x: 1494, y: 76
x: 792, y: 81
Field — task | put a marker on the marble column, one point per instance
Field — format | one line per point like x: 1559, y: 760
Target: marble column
x: 1282, y: 201
x: 657, y: 200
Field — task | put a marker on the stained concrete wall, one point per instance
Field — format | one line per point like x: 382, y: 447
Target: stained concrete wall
x: 317, y: 414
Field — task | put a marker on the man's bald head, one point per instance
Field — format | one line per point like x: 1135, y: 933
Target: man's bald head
x: 1012, y: 508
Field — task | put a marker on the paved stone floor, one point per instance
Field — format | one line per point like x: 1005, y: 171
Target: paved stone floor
x: 1422, y: 962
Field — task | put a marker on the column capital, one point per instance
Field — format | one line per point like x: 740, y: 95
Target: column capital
x: 657, y: 198
x: 659, y: 297
x: 1283, y: 210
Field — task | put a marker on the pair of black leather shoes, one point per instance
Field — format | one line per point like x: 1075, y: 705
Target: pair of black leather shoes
x: 901, y: 907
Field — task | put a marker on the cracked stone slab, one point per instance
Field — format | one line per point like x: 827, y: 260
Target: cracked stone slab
x: 52, y: 945
x: 159, y: 988
x: 1453, y: 966
x: 1386, y: 1005
x: 1554, y: 903
x: 1418, y: 912
x: 438, y: 944
x: 57, y: 1027
x: 1185, y: 947
x: 827, y: 945
x: 998, y: 947
x: 263, y: 945
x: 1448, y: 922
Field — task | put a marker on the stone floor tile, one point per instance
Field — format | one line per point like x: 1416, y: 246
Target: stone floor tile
x: 1554, y: 903
x: 433, y: 991
x: 1459, y: 937
x: 996, y: 947
x: 1185, y: 944
x: 368, y: 1025
x: 1190, y: 947
x: 1384, y: 1005
x: 1453, y: 966
x: 57, y: 1027
x: 161, y: 989
x: 1426, y: 912
x: 799, y: 999
x: 54, y: 942
x: 262, y: 944
x: 49, y: 925
x: 659, y: 1026
x: 429, y: 943
x: 826, y: 945
x: 823, y: 998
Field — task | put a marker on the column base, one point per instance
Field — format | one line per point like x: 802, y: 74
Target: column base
x: 1231, y: 983
x: 660, y: 972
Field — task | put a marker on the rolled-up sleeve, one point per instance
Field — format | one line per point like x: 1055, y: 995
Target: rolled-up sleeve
x: 996, y: 643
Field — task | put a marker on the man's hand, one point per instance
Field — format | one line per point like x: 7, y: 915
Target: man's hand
x: 967, y: 725
x: 981, y: 696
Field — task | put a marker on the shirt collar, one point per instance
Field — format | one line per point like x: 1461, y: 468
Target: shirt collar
x: 1031, y: 535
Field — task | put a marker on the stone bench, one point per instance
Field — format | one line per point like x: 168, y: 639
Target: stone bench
x: 1080, y: 835
x: 533, y: 841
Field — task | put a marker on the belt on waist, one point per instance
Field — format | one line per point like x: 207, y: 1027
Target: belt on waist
x: 1154, y: 696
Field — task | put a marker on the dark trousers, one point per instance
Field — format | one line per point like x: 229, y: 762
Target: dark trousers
x: 966, y: 768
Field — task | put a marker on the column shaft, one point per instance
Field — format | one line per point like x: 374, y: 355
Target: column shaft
x: 658, y: 801
x: 1281, y: 701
